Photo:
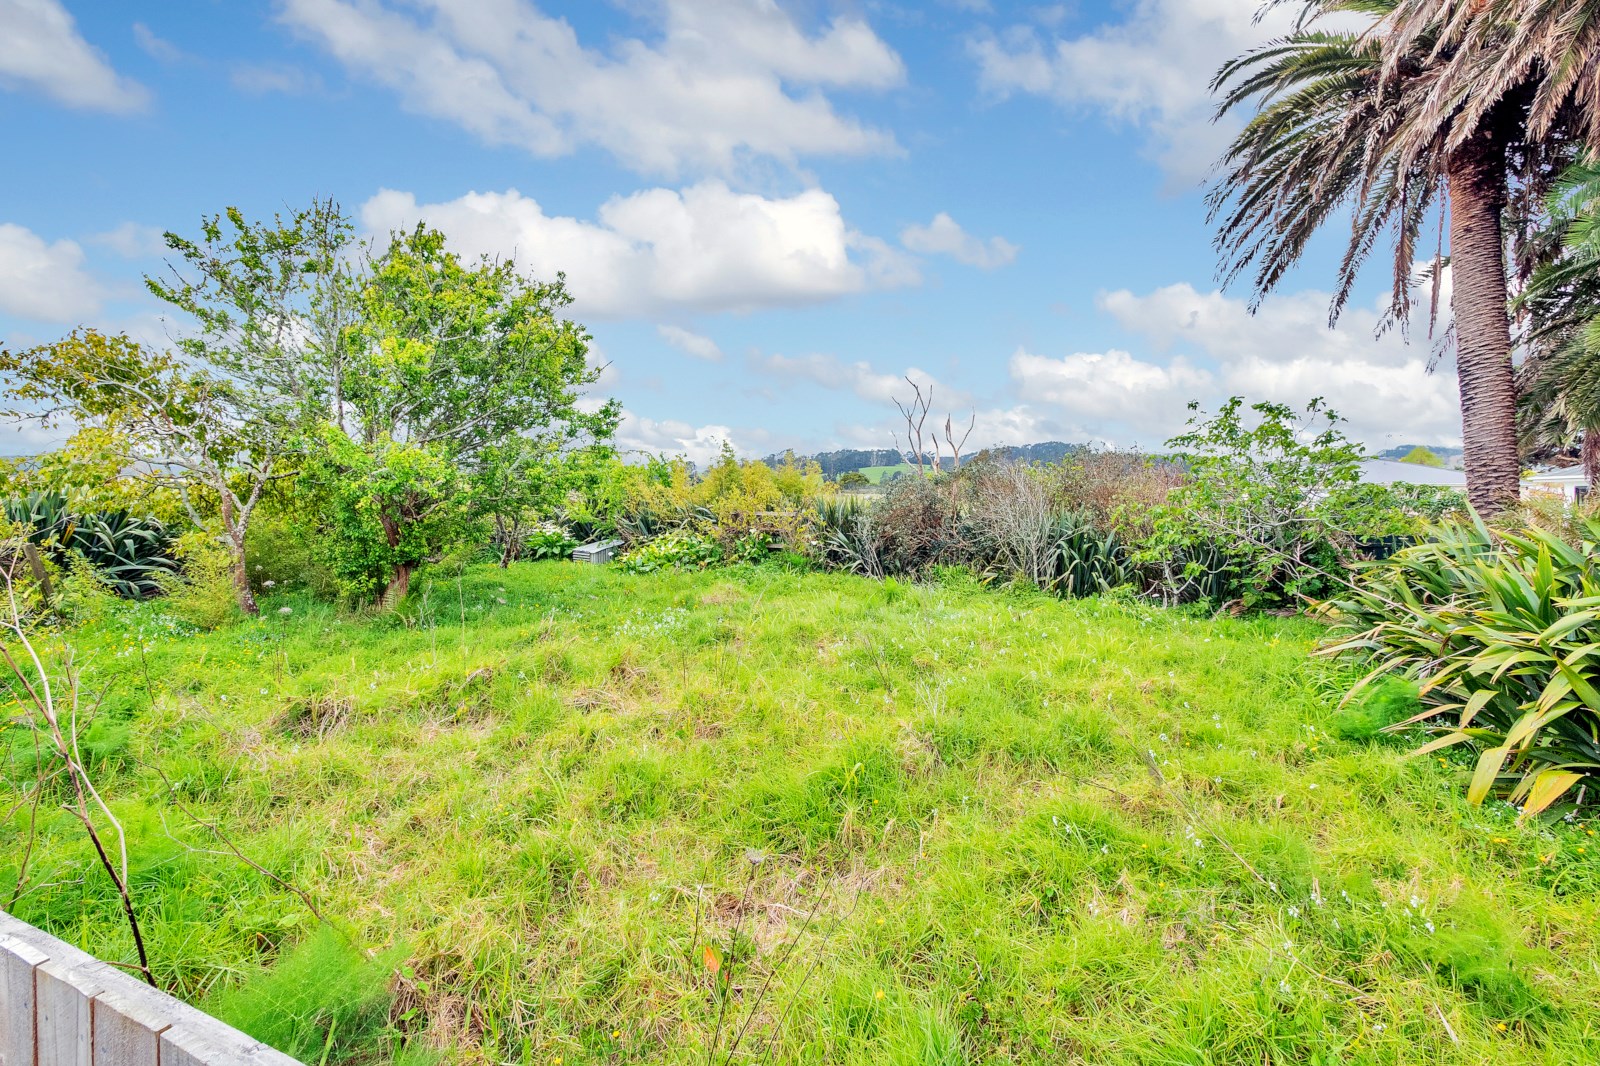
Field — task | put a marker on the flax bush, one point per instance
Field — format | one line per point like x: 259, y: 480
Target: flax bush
x: 1502, y: 632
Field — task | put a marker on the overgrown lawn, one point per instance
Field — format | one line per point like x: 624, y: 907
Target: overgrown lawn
x: 563, y: 813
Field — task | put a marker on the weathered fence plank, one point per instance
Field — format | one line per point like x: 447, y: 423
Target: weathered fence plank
x: 127, y: 1028
x: 63, y: 989
x: 62, y: 1007
x: 18, y: 959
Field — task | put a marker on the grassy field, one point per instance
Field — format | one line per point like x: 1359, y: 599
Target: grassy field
x: 562, y: 814
x: 876, y: 474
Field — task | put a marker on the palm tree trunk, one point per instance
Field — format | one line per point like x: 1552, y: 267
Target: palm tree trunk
x: 1483, y: 324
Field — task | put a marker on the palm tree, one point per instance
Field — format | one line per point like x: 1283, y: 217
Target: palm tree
x: 1559, y: 402
x: 1474, y: 103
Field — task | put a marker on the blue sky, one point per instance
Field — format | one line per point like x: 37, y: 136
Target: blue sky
x: 769, y: 212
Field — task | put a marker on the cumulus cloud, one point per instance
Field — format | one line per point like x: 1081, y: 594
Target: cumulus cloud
x: 704, y: 247
x: 690, y: 343
x: 1110, y: 389
x: 944, y: 236
x: 701, y: 444
x: 1286, y: 352
x: 155, y: 46
x: 724, y: 79
x: 41, y: 49
x: 44, y: 282
x: 1149, y: 70
x: 132, y: 240
x: 860, y: 378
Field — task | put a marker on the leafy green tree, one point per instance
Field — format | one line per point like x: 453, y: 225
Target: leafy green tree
x: 191, y: 429
x: 454, y: 375
x: 853, y: 479
x: 1421, y: 456
x: 1276, y: 493
x: 1560, y: 402
x: 1470, y: 100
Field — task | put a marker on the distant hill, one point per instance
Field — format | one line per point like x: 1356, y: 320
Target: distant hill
x: 1451, y: 456
x: 845, y: 460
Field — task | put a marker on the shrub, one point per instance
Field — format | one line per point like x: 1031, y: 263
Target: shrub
x: 203, y: 594
x: 681, y: 549
x: 1275, y: 501
x: 1501, y: 632
x: 131, y: 555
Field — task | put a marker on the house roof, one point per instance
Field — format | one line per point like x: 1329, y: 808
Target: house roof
x: 1390, y: 472
x: 1567, y: 475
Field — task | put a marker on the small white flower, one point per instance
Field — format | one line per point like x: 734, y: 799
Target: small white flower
x: 286, y: 610
x: 1294, y: 912
x: 263, y: 692
x: 269, y: 584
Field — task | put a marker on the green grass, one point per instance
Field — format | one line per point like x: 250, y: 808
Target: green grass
x: 876, y: 474
x: 535, y: 801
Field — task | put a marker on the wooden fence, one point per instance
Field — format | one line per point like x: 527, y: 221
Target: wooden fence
x: 61, y: 1007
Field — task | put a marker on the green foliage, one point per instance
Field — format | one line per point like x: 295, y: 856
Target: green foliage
x: 1421, y: 456
x: 1500, y: 630
x: 383, y: 508
x: 681, y: 549
x: 853, y: 479
x: 460, y: 381
x: 321, y: 993
x: 1280, y: 496
x: 1379, y: 706
x: 131, y: 556
x: 526, y: 793
x: 547, y: 540
x: 204, y: 594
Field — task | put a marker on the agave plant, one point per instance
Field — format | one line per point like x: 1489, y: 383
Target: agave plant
x: 1088, y: 560
x: 45, y: 515
x: 1502, y: 631
x: 131, y: 554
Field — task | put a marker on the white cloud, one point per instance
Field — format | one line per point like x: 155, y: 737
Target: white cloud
x: 689, y: 343
x: 1286, y: 352
x: 259, y: 79
x: 1150, y: 70
x: 132, y: 240
x: 860, y: 378
x: 944, y: 236
x: 701, y: 444
x: 40, y: 48
x: 727, y: 79
x: 154, y: 46
x: 1110, y: 389
x: 44, y: 282
x: 704, y: 247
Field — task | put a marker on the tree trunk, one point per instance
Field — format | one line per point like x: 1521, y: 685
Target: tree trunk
x: 241, y: 582
x: 1591, y: 457
x: 399, y: 585
x: 1483, y: 324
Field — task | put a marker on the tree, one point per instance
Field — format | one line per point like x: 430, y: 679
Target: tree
x: 446, y: 366
x: 187, y: 427
x: 1465, y: 101
x: 224, y: 416
x: 1421, y: 456
x: 853, y: 479
x: 1560, y: 402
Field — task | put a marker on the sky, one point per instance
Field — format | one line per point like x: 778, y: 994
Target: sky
x: 770, y: 212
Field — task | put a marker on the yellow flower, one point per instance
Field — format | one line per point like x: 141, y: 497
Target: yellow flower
x: 615, y: 1033
x: 1500, y: 1026
x: 878, y: 994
